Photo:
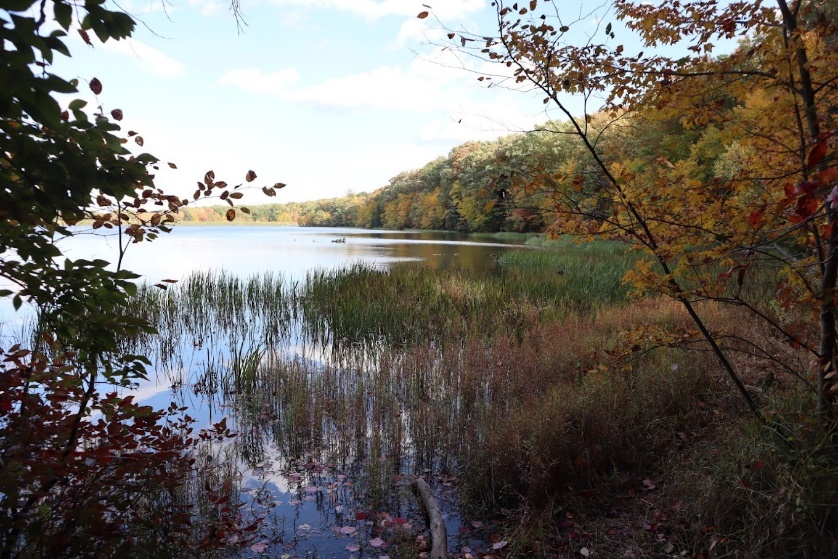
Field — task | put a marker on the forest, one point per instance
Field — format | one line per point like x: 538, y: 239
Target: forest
x: 493, y: 186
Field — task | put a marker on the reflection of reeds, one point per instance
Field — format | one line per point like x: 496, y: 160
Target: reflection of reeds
x: 503, y: 380
x: 509, y: 418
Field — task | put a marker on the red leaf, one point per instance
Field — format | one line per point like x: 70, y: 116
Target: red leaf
x: 116, y: 114
x: 755, y: 218
x: 818, y: 152
x: 806, y: 206
x: 95, y: 86
x: 85, y: 37
x: 828, y: 175
x: 251, y: 176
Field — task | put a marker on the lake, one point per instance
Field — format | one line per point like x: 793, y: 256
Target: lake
x: 291, y: 251
x: 324, y: 491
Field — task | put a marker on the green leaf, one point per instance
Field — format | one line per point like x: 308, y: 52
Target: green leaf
x: 16, y: 5
x: 63, y: 14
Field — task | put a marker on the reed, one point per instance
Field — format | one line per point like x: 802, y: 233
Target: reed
x: 516, y: 383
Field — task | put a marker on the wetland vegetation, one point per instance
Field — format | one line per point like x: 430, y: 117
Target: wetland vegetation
x: 542, y: 388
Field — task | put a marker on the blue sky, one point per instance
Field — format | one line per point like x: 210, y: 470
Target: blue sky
x: 327, y: 96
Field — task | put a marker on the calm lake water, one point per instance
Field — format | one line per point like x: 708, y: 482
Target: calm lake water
x: 245, y: 250
x: 314, y: 509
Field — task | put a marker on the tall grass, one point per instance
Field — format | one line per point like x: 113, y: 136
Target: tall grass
x: 587, y: 275
x: 511, y: 419
x: 362, y: 304
x: 524, y: 384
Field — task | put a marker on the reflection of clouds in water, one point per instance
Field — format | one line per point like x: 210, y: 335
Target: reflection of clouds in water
x: 147, y: 390
x: 276, y: 482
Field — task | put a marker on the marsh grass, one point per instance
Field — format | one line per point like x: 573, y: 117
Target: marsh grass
x: 524, y: 386
x: 586, y: 276
x: 406, y: 305
x: 511, y: 419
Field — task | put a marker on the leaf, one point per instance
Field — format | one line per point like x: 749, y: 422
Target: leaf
x: 85, y: 37
x: 245, y: 210
x: 95, y: 86
x: 818, y: 152
x: 116, y: 114
x: 250, y: 177
x: 376, y: 542
x: 236, y: 195
x: 755, y: 218
x: 172, y: 166
x: 422, y: 15
x: 230, y: 215
x: 139, y: 140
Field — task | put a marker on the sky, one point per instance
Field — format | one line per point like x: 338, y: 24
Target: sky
x: 327, y: 96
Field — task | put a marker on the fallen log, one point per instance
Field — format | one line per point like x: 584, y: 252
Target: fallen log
x: 433, y: 516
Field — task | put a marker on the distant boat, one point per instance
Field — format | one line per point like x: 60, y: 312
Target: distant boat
x: 342, y: 240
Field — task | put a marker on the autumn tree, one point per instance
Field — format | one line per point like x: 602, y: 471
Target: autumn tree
x: 750, y: 181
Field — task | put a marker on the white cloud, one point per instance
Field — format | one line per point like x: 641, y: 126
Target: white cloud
x: 374, y: 9
x: 440, y: 84
x: 385, y: 87
x: 146, y: 57
x: 410, y: 30
x: 253, y: 80
x: 207, y: 8
x: 295, y: 19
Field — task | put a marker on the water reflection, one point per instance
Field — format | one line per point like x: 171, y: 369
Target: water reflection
x: 326, y: 440
x: 292, y: 251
